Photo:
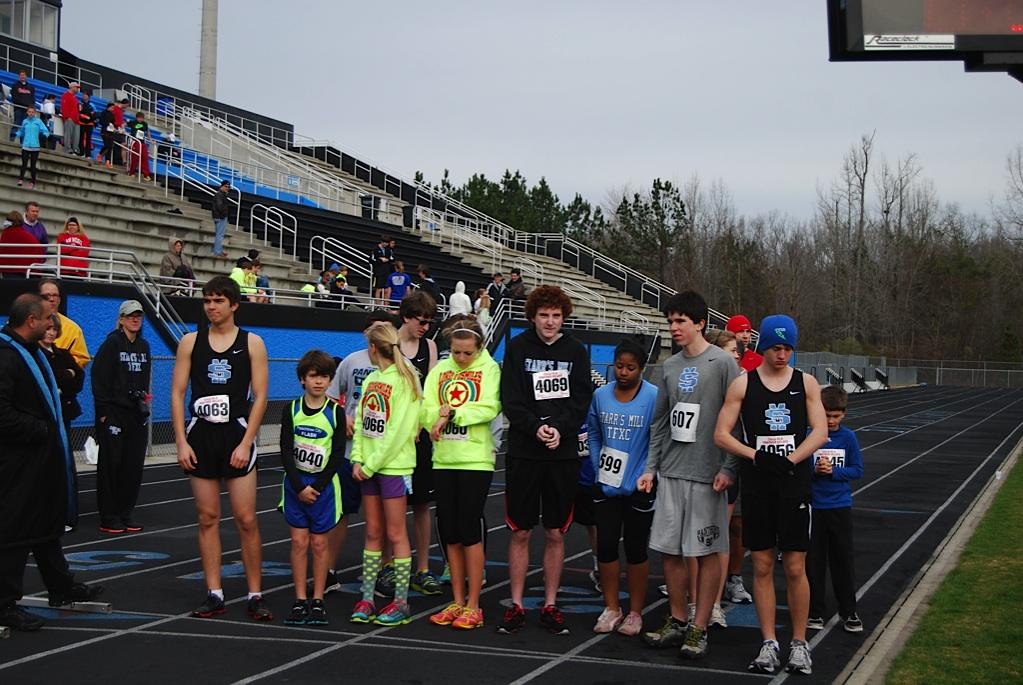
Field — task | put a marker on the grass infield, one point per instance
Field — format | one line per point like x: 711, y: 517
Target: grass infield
x: 972, y: 632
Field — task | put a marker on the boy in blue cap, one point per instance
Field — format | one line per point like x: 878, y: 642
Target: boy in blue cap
x: 783, y: 423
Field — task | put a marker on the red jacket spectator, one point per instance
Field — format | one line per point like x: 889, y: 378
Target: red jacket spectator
x: 74, y: 249
x: 69, y: 106
x: 119, y: 114
x: 12, y: 263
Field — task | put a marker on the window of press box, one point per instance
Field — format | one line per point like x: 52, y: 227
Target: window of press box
x: 32, y: 21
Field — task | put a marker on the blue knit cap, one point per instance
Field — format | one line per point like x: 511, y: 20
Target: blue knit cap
x: 777, y: 329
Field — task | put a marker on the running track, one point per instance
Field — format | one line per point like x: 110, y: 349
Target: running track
x: 927, y: 451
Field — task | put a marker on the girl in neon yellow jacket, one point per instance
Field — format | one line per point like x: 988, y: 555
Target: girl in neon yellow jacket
x: 383, y: 456
x: 460, y: 400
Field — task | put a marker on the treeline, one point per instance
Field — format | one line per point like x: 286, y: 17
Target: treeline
x: 883, y: 267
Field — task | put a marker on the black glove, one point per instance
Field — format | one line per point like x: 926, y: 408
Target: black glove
x: 774, y: 464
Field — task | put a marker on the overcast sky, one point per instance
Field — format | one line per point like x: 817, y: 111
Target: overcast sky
x: 592, y: 94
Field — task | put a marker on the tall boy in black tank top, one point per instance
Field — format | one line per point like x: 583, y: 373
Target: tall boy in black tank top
x: 417, y: 312
x: 228, y: 371
x: 777, y: 405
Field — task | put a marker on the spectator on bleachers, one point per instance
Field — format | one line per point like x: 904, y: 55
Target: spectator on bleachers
x: 69, y: 113
x: 241, y: 269
x: 74, y: 249
x: 31, y: 133
x: 19, y: 249
x: 87, y: 120
x: 119, y: 108
x: 398, y: 284
x: 175, y: 264
x: 483, y: 308
x: 221, y: 209
x: 325, y: 283
x: 496, y: 290
x: 48, y: 114
x: 426, y: 284
x: 261, y: 282
x: 66, y: 371
x: 32, y: 223
x: 459, y: 302
x: 253, y: 254
x: 108, y: 130
x: 138, y: 133
x: 516, y: 287
x: 71, y: 337
x: 23, y: 96
x: 380, y: 263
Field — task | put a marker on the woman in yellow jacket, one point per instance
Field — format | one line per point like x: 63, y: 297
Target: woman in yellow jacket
x: 383, y: 457
x: 461, y: 398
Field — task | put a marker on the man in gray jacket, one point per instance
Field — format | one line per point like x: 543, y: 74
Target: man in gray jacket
x: 691, y: 518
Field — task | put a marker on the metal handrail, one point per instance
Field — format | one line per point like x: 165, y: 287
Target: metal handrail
x: 113, y: 266
x: 334, y: 250
x: 580, y: 292
x: 30, y: 66
x: 169, y: 162
x: 274, y: 218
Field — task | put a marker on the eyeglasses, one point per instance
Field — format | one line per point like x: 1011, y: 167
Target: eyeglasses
x: 51, y: 296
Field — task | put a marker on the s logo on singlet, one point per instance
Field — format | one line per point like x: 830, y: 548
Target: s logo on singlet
x: 688, y: 379
x: 778, y: 416
x: 219, y: 371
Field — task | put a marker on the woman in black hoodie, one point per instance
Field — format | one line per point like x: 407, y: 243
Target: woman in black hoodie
x: 70, y: 376
x: 120, y: 387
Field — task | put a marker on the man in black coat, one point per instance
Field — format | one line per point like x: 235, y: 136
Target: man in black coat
x: 36, y: 500
x: 23, y: 96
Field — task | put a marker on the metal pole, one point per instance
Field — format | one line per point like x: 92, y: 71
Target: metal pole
x: 208, y: 51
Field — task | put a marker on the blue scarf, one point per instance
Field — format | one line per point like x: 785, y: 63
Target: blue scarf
x: 48, y: 387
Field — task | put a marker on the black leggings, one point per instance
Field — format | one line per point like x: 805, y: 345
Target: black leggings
x: 624, y: 517
x: 29, y: 157
x: 122, y: 453
x: 461, y: 496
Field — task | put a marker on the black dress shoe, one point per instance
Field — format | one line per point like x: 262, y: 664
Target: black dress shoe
x: 79, y: 592
x: 16, y: 618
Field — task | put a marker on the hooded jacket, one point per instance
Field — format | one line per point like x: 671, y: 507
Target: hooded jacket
x: 474, y: 393
x: 172, y: 260
x: 526, y: 357
x: 31, y: 133
x: 386, y: 425
x: 459, y: 302
x: 120, y: 373
x: 74, y: 252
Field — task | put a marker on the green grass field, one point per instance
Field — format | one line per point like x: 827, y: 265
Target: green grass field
x: 973, y: 630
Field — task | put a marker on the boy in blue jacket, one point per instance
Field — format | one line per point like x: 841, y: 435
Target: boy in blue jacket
x: 32, y: 132
x: 831, y: 542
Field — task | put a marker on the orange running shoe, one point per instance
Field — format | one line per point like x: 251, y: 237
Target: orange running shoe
x: 447, y: 616
x: 469, y: 619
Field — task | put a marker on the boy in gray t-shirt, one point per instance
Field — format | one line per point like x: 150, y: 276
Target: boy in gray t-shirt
x: 691, y: 515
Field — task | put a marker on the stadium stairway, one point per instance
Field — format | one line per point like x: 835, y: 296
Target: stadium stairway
x: 117, y: 212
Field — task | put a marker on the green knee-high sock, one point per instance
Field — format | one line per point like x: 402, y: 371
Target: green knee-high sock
x: 370, y: 569
x: 402, y: 573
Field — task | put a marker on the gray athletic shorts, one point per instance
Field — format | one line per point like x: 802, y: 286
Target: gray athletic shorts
x: 690, y: 519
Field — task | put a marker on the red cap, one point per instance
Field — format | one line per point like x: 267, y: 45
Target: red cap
x: 738, y: 323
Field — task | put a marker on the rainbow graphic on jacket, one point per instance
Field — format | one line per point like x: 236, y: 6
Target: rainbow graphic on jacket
x: 376, y: 397
x: 459, y: 387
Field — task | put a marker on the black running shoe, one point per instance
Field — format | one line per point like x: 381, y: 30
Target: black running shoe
x: 78, y: 592
x: 132, y: 527
x: 317, y: 614
x: 299, y: 613
x: 213, y: 606
x: 258, y: 610
x: 16, y: 618
x: 552, y: 620
x: 514, y: 619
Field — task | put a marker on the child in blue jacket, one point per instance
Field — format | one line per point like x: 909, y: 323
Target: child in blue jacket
x: 31, y: 132
x: 831, y: 541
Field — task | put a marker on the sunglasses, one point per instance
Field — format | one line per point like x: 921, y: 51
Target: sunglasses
x: 425, y: 322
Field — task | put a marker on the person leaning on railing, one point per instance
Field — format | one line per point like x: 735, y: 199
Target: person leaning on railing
x: 74, y: 249
x: 19, y: 249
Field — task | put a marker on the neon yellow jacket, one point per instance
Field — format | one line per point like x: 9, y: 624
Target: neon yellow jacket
x: 475, y: 394
x: 386, y: 425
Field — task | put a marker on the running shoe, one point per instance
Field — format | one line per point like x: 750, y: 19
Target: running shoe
x: 364, y: 612
x: 799, y: 658
x: 514, y: 619
x: 853, y: 624
x: 469, y: 620
x: 333, y: 582
x: 632, y: 625
x: 394, y: 614
x: 16, y: 618
x: 258, y: 610
x: 299, y: 613
x: 425, y: 583
x: 113, y: 529
x: 447, y: 615
x: 213, y: 606
x: 445, y: 575
x: 768, y: 660
x: 717, y: 617
x: 78, y: 592
x: 132, y: 527
x: 317, y: 613
x: 671, y: 634
x: 552, y: 620
x: 735, y: 591
x: 387, y: 579
x: 695, y: 645
x: 815, y: 623
x: 595, y: 579
x: 608, y: 621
